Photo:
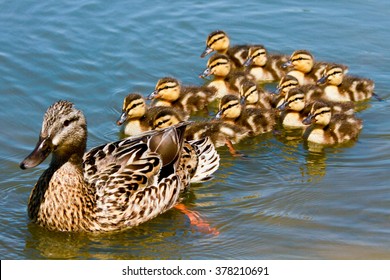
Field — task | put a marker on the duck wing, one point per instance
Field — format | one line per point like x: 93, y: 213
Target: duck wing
x: 135, y: 179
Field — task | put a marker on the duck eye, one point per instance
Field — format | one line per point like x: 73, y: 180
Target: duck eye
x: 66, y: 122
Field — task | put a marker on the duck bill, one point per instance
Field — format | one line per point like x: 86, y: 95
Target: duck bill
x: 282, y: 106
x: 205, y: 73
x: 277, y: 90
x: 308, y: 120
x: 322, y: 80
x: 206, y: 51
x: 242, y: 100
x: 287, y: 64
x: 122, y: 118
x: 153, y: 95
x: 38, y: 155
x: 218, y: 115
x: 248, y: 62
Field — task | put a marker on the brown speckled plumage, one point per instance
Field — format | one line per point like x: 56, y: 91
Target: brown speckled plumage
x: 113, y: 186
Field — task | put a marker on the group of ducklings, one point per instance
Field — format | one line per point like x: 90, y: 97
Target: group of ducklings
x: 130, y: 181
x: 314, y: 96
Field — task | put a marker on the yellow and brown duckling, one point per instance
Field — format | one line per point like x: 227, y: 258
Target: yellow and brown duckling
x: 225, y: 80
x: 288, y: 82
x: 263, y: 66
x: 170, y: 92
x: 298, y: 101
x: 256, y: 120
x: 304, y: 67
x: 136, y: 116
x: 328, y: 128
x: 111, y: 187
x: 219, y: 42
x: 293, y: 109
x: 342, y: 87
x: 254, y: 96
x: 219, y: 132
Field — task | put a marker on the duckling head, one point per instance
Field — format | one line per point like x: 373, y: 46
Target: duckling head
x: 294, y: 100
x: 216, y: 41
x: 217, y: 65
x: 165, y: 118
x: 320, y: 113
x: 229, y: 107
x: 167, y: 89
x: 287, y: 83
x: 63, y: 133
x: 249, y: 92
x: 257, y: 55
x: 301, y: 60
x: 134, y: 106
x: 333, y: 75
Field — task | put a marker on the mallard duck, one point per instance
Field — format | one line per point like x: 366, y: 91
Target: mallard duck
x: 219, y: 132
x: 342, y: 87
x: 263, y: 66
x: 136, y: 116
x: 169, y: 92
x: 328, y: 128
x: 112, y: 187
x: 254, y: 96
x: 304, y: 68
x: 219, y: 41
x: 225, y: 80
x: 256, y: 120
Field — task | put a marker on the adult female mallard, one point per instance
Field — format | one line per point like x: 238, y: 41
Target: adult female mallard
x: 113, y: 186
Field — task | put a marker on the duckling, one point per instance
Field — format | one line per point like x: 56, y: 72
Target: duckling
x: 305, y: 69
x: 293, y: 109
x: 111, y: 187
x: 137, y: 116
x: 255, y: 97
x: 219, y: 41
x: 288, y: 82
x: 342, y: 87
x: 263, y: 66
x: 219, y: 132
x: 190, y: 99
x: 297, y: 103
x: 225, y: 80
x: 327, y: 128
x: 256, y: 120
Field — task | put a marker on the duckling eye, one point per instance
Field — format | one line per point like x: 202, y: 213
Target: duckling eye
x: 296, y: 99
x: 258, y: 54
x: 133, y: 106
x: 66, y: 122
x: 298, y: 59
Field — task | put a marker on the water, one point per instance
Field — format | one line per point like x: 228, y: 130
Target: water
x: 282, y: 201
